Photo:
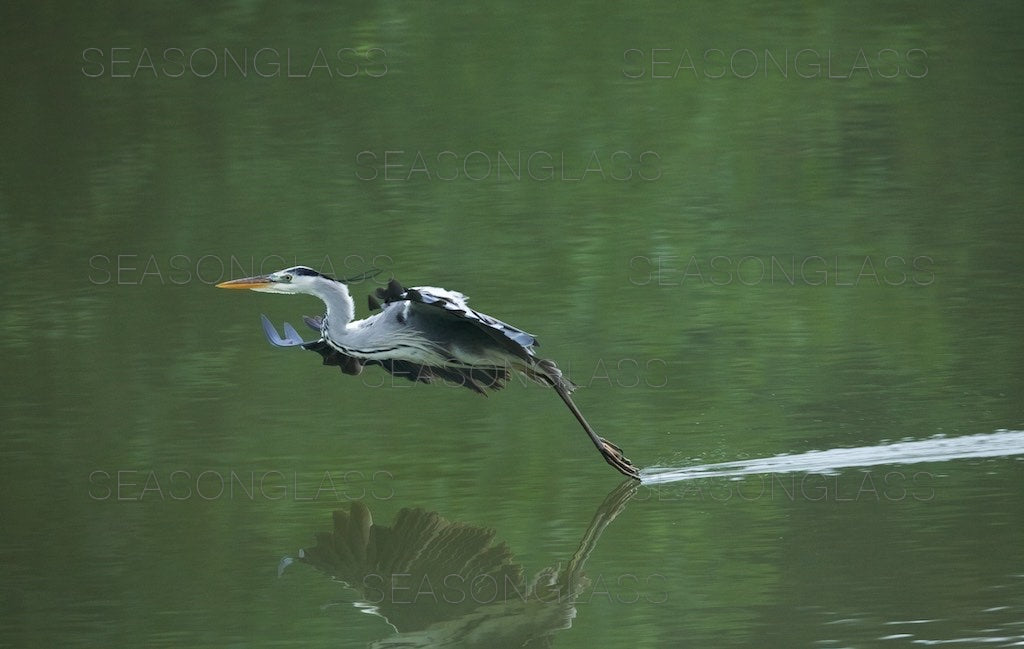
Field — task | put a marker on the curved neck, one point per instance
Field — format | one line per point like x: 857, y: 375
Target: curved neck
x: 340, y: 308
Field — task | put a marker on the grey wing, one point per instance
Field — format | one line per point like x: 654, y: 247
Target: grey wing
x: 453, y: 304
x: 478, y: 380
x: 291, y: 338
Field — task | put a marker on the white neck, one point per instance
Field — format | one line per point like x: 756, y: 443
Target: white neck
x: 340, y: 308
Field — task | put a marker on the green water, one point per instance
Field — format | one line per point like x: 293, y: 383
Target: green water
x: 746, y: 231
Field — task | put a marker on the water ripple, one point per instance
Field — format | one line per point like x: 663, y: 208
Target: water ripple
x: 1000, y: 443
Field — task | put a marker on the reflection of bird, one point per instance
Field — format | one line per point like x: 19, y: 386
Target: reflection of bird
x: 421, y: 333
x: 444, y: 583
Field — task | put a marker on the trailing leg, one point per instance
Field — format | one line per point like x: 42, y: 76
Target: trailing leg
x: 611, y: 453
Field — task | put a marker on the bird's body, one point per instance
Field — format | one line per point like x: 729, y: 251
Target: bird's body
x: 422, y: 334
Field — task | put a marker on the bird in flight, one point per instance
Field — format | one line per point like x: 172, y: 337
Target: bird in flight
x: 423, y: 334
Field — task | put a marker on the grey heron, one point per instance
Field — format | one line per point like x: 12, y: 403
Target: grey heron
x: 422, y: 334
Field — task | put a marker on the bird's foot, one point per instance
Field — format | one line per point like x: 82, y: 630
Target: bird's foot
x: 613, y: 455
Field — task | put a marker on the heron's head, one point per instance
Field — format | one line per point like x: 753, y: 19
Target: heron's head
x: 297, y: 279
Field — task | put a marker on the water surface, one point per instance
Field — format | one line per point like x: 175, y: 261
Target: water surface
x: 776, y: 247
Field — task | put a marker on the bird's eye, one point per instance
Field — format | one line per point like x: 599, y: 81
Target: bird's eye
x: 287, y: 277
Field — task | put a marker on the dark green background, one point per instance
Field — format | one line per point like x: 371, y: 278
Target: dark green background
x: 736, y: 254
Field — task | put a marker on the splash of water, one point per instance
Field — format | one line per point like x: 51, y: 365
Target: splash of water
x: 935, y: 449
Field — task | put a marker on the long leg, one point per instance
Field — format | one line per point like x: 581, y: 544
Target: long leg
x: 611, y: 453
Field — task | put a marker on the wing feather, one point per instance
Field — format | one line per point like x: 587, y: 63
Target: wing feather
x: 453, y: 304
x: 477, y: 379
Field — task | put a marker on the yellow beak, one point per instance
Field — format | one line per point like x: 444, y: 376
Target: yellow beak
x: 246, y: 282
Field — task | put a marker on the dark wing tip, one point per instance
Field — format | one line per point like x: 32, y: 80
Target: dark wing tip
x: 395, y: 291
x: 316, y: 323
x: 331, y: 356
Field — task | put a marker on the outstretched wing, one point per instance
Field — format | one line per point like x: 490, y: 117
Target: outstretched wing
x: 476, y: 379
x: 291, y: 338
x: 453, y: 304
